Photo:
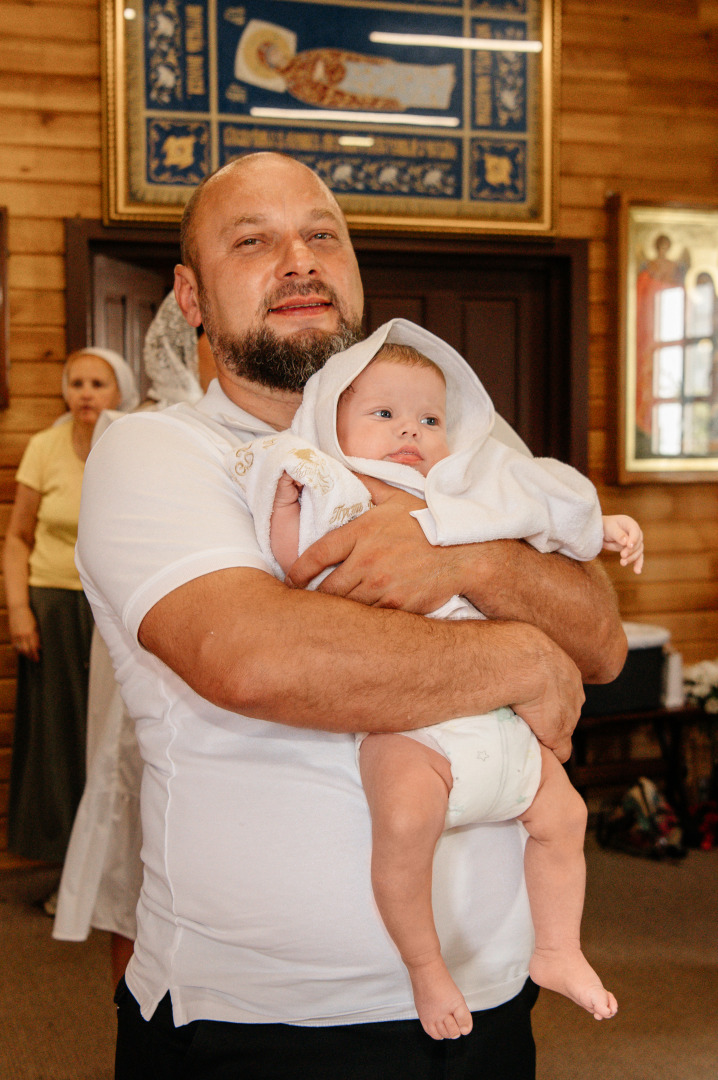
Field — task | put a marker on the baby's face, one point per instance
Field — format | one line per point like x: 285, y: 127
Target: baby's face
x: 395, y: 413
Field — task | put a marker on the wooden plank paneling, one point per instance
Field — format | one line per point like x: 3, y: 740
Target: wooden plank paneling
x: 594, y: 93
x: 577, y: 224
x: 7, y: 695
x: 605, y: 128
x: 701, y: 566
x: 663, y: 596
x: 48, y: 57
x: 7, y: 724
x: 56, y: 22
x: 30, y: 236
x: 708, y: 13
x: 7, y: 491
x: 37, y: 272
x: 12, y: 446
x: 37, y: 343
x: 36, y: 380
x: 59, y: 93
x: 58, y: 200
x: 48, y: 163
x: 46, y: 128
x: 4, y: 765
x: 34, y: 307
x: 31, y: 414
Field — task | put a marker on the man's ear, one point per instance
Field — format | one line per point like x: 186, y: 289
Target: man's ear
x: 186, y: 293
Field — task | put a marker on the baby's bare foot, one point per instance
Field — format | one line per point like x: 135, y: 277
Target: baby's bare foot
x: 568, y: 972
x: 440, y: 1004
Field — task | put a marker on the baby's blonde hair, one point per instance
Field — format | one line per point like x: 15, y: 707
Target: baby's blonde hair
x: 408, y: 356
x: 402, y: 355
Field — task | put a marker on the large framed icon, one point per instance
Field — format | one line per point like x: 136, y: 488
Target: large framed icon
x: 419, y: 117
x: 669, y: 342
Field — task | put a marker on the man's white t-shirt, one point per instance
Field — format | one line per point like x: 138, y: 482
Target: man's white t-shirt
x: 256, y: 905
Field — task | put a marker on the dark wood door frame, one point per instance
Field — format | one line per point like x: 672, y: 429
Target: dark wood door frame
x: 567, y: 270
x: 157, y: 248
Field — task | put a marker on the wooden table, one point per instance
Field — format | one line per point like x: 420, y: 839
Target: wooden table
x: 667, y: 725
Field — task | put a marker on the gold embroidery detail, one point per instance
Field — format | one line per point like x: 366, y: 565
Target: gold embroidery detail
x: 312, y: 471
x: 245, y: 455
x: 244, y: 461
x: 342, y: 514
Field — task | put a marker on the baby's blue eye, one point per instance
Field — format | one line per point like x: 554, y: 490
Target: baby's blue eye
x: 385, y: 414
x: 431, y: 421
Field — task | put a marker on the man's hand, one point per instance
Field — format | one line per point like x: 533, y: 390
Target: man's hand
x: 386, y: 561
x: 553, y: 695
x: 382, y: 559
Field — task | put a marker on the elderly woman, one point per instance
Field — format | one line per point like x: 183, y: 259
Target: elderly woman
x: 50, y: 620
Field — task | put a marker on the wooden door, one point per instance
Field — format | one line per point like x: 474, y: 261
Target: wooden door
x: 510, y: 319
x: 125, y: 300
x: 515, y: 308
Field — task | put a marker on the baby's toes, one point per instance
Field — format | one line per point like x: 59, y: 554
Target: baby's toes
x: 604, y: 1006
x: 449, y: 1026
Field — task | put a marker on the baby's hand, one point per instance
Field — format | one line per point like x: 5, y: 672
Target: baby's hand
x: 621, y: 533
x: 287, y: 492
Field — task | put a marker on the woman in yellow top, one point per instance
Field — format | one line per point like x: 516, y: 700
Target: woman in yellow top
x: 50, y: 620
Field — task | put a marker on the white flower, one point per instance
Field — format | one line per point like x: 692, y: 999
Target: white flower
x: 701, y: 683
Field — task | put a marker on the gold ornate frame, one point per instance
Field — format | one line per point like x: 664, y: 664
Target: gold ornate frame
x: 502, y: 182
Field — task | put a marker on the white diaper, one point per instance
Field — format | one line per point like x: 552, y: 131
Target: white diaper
x: 495, y: 763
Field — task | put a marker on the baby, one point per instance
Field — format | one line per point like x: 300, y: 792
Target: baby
x: 467, y: 770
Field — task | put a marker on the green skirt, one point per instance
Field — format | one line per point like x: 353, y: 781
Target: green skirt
x: 47, y: 774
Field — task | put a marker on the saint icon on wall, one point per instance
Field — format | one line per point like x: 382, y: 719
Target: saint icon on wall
x: 337, y: 78
x: 660, y: 322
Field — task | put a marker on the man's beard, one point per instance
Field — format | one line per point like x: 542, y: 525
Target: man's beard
x: 283, y: 363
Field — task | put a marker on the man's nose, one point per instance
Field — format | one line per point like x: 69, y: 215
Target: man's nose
x: 296, y: 258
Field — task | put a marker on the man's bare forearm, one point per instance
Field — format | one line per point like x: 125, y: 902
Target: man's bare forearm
x: 383, y: 558
x: 323, y: 662
x: 573, y: 602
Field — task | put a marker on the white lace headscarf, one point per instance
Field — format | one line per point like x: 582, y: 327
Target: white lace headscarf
x: 170, y: 357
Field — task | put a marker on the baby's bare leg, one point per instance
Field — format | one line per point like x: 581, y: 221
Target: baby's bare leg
x: 556, y: 879
x: 407, y: 787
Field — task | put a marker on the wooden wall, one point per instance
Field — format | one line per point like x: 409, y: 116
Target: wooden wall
x: 639, y: 113
x: 638, y: 110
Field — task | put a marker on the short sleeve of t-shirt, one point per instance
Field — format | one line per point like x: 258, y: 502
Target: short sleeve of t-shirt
x: 30, y: 470
x: 159, y: 509
x: 51, y: 467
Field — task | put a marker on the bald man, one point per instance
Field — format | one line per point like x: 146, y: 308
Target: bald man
x: 259, y: 951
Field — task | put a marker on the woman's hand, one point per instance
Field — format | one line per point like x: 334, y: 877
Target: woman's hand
x: 19, y: 542
x: 24, y: 633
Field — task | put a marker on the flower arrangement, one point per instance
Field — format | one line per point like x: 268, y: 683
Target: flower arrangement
x: 701, y: 684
